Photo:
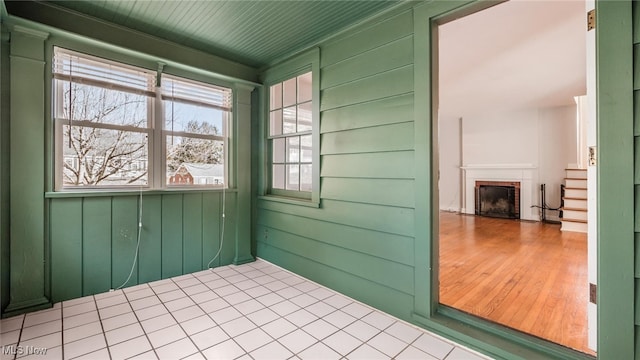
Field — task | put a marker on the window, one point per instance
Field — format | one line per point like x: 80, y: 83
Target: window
x: 196, y: 117
x: 290, y: 135
x: 116, y: 128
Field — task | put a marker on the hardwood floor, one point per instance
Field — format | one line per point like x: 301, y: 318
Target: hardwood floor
x: 528, y: 276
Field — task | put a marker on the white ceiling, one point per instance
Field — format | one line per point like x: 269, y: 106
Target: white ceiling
x: 521, y: 54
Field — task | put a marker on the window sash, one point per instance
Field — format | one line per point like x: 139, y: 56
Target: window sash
x: 281, y: 97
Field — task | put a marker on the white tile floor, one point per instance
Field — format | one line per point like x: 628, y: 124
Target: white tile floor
x: 252, y: 311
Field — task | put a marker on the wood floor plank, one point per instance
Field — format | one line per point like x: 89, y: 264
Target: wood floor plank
x: 529, y: 276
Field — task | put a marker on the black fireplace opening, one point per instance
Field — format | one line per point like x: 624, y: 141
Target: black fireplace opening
x: 497, y: 201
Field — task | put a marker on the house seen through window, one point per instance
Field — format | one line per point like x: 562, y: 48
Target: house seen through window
x: 116, y: 128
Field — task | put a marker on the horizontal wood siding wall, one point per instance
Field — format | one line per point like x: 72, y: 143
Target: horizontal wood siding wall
x: 361, y: 239
x: 93, y: 239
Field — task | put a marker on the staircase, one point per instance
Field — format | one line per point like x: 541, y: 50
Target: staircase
x: 574, y: 208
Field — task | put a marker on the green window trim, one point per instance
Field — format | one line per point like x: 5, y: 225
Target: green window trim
x: 308, y: 61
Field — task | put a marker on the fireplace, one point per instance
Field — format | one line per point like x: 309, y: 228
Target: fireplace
x: 500, y: 199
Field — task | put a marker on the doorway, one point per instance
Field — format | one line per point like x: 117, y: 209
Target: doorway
x: 508, y: 77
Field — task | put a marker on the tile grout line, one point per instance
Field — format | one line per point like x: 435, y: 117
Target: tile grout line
x: 139, y: 323
x: 275, y: 284
x: 422, y: 330
x: 104, y: 333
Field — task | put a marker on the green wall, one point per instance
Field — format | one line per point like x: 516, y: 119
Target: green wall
x: 93, y: 239
x: 4, y: 167
x: 636, y: 133
x: 58, y: 246
x: 360, y: 241
x: 371, y: 237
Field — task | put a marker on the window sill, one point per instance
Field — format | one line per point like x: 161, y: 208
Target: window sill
x: 111, y: 192
x: 290, y: 201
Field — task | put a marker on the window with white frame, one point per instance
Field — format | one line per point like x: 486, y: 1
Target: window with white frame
x: 115, y: 128
x: 290, y: 135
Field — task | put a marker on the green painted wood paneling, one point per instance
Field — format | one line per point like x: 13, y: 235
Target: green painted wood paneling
x: 392, y: 165
x: 211, y: 205
x: 637, y: 256
x: 250, y: 32
x: 106, y: 241
x: 397, y: 221
x: 397, y: 192
x: 636, y: 20
x: 389, y: 56
x: 358, y: 241
x: 636, y: 128
x: 374, y: 35
x: 5, y: 101
x: 96, y: 243
x: 384, y: 272
x: 362, y: 289
x: 614, y: 34
x: 394, y: 137
x: 124, y: 238
x: 192, y: 233
x: 66, y: 249
x: 637, y: 340
x: 426, y: 233
x: 229, y: 246
x: 637, y: 308
x: 172, y: 221
x: 150, y: 255
x: 390, y: 110
x: 390, y: 83
x: 636, y: 69
x: 383, y: 245
x: 636, y: 113
x: 26, y: 134
x: 148, y: 47
x: 242, y: 107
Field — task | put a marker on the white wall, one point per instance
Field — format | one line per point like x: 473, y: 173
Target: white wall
x: 501, y: 138
x: 557, y: 138
x: 544, y: 138
x: 449, y: 146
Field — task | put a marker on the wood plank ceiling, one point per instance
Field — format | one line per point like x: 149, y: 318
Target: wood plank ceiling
x: 255, y: 33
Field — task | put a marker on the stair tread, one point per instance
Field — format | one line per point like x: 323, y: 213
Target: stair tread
x: 573, y: 209
x: 575, y: 188
x: 577, y: 169
x: 575, y: 179
x: 574, y: 198
x: 574, y: 220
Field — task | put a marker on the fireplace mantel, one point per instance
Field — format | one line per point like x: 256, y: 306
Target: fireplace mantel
x: 526, y: 174
x: 497, y: 166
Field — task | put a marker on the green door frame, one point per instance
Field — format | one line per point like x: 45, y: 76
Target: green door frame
x: 614, y: 67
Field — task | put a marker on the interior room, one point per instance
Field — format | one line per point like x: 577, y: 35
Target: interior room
x: 510, y: 123
x: 264, y: 179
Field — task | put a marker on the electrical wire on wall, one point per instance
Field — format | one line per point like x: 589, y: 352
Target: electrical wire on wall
x: 222, y: 235
x: 135, y: 258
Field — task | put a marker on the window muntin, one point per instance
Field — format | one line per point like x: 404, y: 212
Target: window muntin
x: 290, y: 134
x: 107, y: 122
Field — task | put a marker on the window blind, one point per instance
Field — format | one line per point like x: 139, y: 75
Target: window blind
x: 192, y: 92
x: 80, y: 68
